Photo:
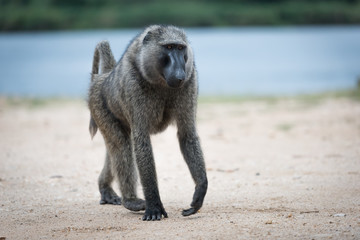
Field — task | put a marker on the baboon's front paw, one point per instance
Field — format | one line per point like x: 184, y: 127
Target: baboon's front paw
x: 154, y: 213
x: 108, y: 196
x: 134, y: 204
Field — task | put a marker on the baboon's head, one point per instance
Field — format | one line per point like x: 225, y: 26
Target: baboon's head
x: 165, y: 56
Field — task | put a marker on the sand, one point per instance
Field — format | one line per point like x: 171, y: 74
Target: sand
x: 286, y: 169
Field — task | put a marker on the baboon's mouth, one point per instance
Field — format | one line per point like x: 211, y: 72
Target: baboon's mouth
x: 175, y: 83
x: 173, y: 80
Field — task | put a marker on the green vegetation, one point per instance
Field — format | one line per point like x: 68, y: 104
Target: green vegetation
x: 91, y: 14
x: 284, y: 127
x: 308, y: 99
x: 34, y: 103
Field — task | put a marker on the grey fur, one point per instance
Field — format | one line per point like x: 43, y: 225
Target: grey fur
x: 132, y: 99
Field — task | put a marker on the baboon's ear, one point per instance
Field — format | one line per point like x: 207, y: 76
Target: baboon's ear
x: 147, y: 38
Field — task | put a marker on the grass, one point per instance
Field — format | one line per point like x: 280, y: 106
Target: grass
x: 285, y: 127
x: 306, y: 99
x: 33, y: 102
x: 353, y: 94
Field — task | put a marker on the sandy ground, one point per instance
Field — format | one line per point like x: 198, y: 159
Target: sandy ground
x: 277, y: 170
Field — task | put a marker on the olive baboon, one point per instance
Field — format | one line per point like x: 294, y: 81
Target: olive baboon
x: 154, y: 84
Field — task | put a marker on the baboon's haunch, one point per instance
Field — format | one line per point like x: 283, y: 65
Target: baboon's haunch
x: 154, y: 84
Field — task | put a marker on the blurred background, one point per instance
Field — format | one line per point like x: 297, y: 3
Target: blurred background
x: 257, y: 47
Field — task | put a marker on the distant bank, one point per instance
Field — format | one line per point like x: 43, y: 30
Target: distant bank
x: 99, y: 14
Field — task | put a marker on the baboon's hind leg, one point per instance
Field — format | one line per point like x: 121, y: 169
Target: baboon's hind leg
x: 108, y: 195
x: 119, y: 147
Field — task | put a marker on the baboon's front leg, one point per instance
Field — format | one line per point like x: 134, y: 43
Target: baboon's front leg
x: 191, y: 150
x: 146, y: 165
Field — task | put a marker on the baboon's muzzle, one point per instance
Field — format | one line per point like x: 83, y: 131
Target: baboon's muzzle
x: 174, y: 71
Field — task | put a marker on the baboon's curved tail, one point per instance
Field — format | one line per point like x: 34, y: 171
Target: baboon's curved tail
x: 102, y: 56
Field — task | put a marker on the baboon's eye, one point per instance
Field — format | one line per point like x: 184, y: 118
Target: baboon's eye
x: 180, y: 47
x: 169, y: 46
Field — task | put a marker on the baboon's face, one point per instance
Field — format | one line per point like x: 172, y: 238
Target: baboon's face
x: 165, y: 57
x: 173, y: 58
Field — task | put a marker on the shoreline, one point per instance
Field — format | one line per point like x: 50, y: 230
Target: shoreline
x: 351, y: 93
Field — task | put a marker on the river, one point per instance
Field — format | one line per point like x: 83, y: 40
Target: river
x: 230, y: 61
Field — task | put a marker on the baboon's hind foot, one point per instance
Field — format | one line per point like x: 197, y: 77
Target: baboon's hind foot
x: 134, y: 204
x: 108, y: 196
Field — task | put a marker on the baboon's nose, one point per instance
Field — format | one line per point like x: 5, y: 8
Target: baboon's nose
x: 174, y: 73
x: 180, y: 75
x: 180, y: 78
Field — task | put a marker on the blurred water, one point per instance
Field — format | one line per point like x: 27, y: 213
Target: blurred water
x: 251, y: 60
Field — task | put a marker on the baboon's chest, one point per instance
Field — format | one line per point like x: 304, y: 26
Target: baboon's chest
x: 160, y: 120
